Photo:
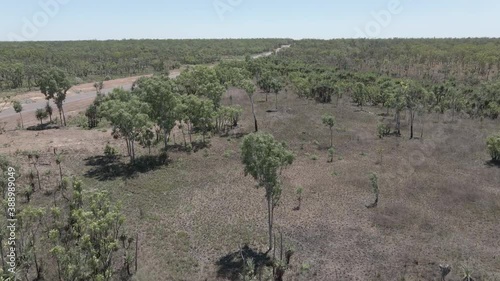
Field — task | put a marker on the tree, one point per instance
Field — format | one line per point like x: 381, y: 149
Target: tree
x: 98, y: 86
x: 54, y: 85
x: 360, y: 94
x: 397, y: 101
x: 249, y: 88
x: 264, y: 159
x: 493, y: 143
x: 18, y: 107
x: 265, y: 82
x: 197, y: 113
x: 415, y: 97
x: 128, y: 115
x: 49, y: 110
x: 41, y: 114
x: 161, y: 95
x: 201, y: 81
x: 329, y: 121
x: 276, y: 86
x: 84, y: 240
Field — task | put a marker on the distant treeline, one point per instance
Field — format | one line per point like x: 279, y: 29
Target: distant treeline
x: 471, y: 60
x: 21, y: 63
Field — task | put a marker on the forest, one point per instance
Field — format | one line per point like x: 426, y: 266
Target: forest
x: 21, y: 63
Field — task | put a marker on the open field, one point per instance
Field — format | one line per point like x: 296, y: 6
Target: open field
x: 439, y: 196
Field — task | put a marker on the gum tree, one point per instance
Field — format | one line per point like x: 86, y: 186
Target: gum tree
x: 18, y: 108
x: 161, y: 94
x: 54, y: 85
x: 329, y: 121
x: 264, y: 159
x: 128, y: 115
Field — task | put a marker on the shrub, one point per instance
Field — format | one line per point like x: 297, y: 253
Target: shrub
x: 383, y: 130
x: 110, y: 151
x: 331, y: 152
x: 493, y: 143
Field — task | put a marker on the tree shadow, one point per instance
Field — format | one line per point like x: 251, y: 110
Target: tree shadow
x: 493, y: 164
x: 231, y: 265
x: 107, y: 168
x: 42, y: 127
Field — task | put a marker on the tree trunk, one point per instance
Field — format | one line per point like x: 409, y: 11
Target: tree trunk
x: 128, y: 147
x: 64, y: 116
x: 276, y: 101
x: 270, y: 218
x: 165, y: 141
x: 254, y: 116
x: 22, y: 123
x: 412, y: 118
x: 60, y: 115
x: 331, y: 137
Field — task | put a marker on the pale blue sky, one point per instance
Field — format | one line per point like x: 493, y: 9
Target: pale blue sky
x: 113, y: 19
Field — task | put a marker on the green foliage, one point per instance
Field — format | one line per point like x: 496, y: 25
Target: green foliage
x: 161, y: 94
x: 18, y: 107
x: 54, y: 85
x: 110, y: 151
x: 85, y: 239
x: 113, y: 58
x: 329, y: 120
x: 383, y: 130
x: 493, y: 143
x: 331, y: 153
x: 227, y: 117
x: 128, y: 115
x: 201, y: 81
x: 41, y: 114
x: 264, y: 158
x: 360, y: 94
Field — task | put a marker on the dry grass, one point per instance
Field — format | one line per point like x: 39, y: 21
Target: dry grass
x: 439, y: 200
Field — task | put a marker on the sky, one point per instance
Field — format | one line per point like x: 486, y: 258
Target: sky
x: 40, y: 20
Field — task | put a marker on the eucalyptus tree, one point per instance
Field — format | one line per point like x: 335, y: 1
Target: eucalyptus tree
x: 197, y: 113
x: 162, y: 96
x: 18, y: 108
x: 276, y: 86
x: 201, y: 81
x: 54, y: 85
x: 264, y: 159
x: 86, y: 239
x: 129, y: 116
x: 416, y: 99
x: 329, y: 120
x: 265, y: 82
x: 360, y: 94
x: 49, y: 110
x: 41, y: 114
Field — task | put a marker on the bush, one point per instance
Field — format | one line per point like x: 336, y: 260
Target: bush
x: 110, y: 151
x: 383, y: 130
x: 493, y: 143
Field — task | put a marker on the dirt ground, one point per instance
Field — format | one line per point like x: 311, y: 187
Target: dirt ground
x: 439, y: 196
x: 78, y: 98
